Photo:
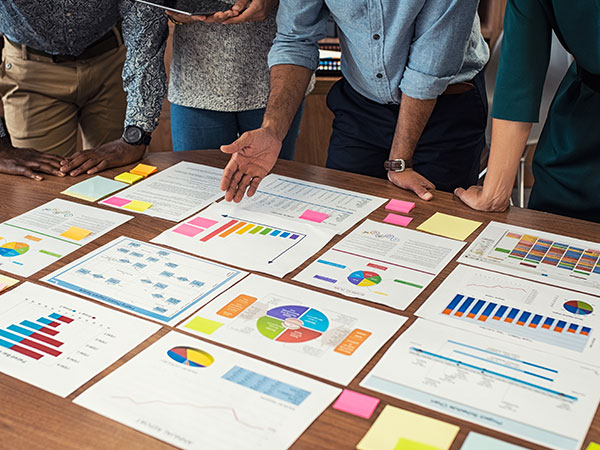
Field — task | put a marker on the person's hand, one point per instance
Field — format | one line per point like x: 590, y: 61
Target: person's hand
x: 258, y: 11
x: 182, y: 19
x: 112, y: 154
x: 476, y: 198
x: 253, y: 156
x: 28, y: 161
x: 413, y: 181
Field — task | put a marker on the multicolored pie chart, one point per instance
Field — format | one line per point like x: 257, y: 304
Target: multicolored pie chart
x: 293, y: 324
x: 12, y: 249
x: 364, y: 278
x: 578, y: 307
x: 190, y: 356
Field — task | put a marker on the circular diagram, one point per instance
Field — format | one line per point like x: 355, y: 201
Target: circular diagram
x: 13, y: 249
x: 578, y: 307
x: 364, y: 278
x: 191, y: 356
x: 293, y: 324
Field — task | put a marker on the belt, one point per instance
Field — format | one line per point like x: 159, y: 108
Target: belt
x: 591, y: 80
x: 458, y: 88
x: 106, y: 43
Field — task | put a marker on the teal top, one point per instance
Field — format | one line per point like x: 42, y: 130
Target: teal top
x: 567, y: 157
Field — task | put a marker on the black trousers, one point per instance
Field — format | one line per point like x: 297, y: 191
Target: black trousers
x: 447, y: 154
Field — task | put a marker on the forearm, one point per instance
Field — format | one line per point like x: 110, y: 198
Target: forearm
x: 288, y: 86
x: 508, y: 142
x: 412, y: 118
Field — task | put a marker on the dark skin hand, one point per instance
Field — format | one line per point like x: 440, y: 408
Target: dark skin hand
x: 27, y: 162
x: 113, y: 154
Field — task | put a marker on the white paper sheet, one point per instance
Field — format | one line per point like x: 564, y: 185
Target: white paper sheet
x: 146, y: 279
x: 216, y: 399
x: 381, y: 263
x: 246, y: 239
x: 176, y: 192
x: 510, y: 388
x: 527, y: 313
x: 537, y: 255
x: 33, y: 240
x: 290, y: 198
x: 57, y: 342
x: 309, y: 331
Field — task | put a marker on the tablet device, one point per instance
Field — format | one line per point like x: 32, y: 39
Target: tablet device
x: 190, y: 7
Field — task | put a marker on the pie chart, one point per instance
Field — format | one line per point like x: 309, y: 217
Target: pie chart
x: 293, y: 324
x: 578, y: 307
x: 13, y: 249
x: 190, y: 356
x: 364, y: 278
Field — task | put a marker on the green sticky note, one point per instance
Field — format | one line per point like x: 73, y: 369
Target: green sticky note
x: 407, y: 444
x: 203, y: 325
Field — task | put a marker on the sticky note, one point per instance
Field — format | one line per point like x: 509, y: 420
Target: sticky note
x: 75, y: 233
x: 355, y: 403
x: 128, y: 178
x: 476, y: 441
x: 94, y: 188
x: 187, y: 230
x: 449, y: 226
x: 143, y: 170
x: 6, y: 282
x: 203, y: 325
x: 591, y: 446
x: 202, y: 222
x: 407, y: 444
x: 138, y: 205
x: 314, y: 216
x: 116, y: 201
x: 394, y: 424
x: 396, y: 219
x: 399, y: 206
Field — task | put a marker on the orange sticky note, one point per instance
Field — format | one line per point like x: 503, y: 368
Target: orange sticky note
x: 143, y: 170
x: 76, y: 233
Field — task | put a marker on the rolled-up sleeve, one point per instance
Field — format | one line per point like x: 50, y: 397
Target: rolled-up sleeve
x: 300, y: 26
x: 442, y: 33
x: 145, y: 32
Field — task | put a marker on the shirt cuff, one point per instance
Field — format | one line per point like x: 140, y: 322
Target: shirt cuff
x: 423, y: 86
x: 3, y: 132
x: 146, y: 124
x: 278, y: 56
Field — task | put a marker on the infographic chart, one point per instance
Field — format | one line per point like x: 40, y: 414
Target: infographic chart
x: 297, y: 327
x: 42, y: 236
x: 249, y: 240
x: 381, y: 263
x: 234, y: 402
x: 536, y: 315
x: 146, y: 279
x: 540, y: 256
x: 493, y: 383
x: 57, y: 342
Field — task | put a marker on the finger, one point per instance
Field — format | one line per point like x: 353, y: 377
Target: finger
x: 242, y: 186
x: 233, y: 186
x: 253, y: 186
x: 234, y: 147
x: 84, y: 167
x: 240, y: 5
x: 102, y: 165
x: 228, y: 173
x: 74, y: 161
x: 459, y: 192
x: 40, y: 166
x: 247, y: 15
x: 26, y: 172
x: 421, y: 191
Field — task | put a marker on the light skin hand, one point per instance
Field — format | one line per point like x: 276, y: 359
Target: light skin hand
x: 112, y: 154
x: 258, y: 11
x: 27, y: 161
x: 218, y: 17
x: 253, y: 156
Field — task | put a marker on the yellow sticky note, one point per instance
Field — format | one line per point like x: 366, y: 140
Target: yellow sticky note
x: 143, y: 170
x: 593, y: 446
x: 203, y: 325
x: 75, y: 233
x: 128, y: 178
x: 449, y: 226
x: 137, y: 205
x: 407, y: 444
x: 395, y: 424
x: 6, y: 282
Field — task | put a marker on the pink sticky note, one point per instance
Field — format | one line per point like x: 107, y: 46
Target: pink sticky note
x: 116, y: 201
x: 395, y: 219
x: 188, y: 230
x: 399, y: 206
x: 355, y: 403
x: 314, y: 216
x: 202, y: 222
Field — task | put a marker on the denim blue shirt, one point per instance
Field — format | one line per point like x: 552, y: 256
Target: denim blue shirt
x: 389, y: 47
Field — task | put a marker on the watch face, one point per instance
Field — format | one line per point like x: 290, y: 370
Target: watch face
x: 133, y: 135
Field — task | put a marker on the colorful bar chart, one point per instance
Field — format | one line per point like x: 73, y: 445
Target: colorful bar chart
x: 240, y: 227
x: 34, y: 339
x: 519, y: 322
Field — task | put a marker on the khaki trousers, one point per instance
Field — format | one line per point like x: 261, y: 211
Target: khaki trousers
x: 45, y: 102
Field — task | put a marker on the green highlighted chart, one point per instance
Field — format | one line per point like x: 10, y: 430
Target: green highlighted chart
x: 191, y: 356
x: 578, y: 307
x: 13, y: 249
x: 293, y: 324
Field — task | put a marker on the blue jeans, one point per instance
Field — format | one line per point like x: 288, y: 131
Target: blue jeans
x: 194, y: 129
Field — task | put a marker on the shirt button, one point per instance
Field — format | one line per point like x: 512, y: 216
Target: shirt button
x: 68, y: 14
x: 376, y: 37
x: 70, y: 30
x: 379, y: 75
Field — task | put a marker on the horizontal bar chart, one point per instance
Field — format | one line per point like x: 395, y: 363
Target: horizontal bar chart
x: 241, y: 227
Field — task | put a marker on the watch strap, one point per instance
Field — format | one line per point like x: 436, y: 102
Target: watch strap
x: 397, y: 165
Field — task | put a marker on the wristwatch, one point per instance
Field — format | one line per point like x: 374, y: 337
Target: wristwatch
x: 134, y: 135
x: 397, y: 165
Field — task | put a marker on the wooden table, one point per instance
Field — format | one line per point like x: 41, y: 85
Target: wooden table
x: 31, y: 418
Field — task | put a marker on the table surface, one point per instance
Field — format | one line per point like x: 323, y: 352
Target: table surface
x: 31, y: 418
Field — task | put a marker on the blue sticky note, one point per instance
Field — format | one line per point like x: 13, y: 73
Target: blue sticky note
x: 476, y: 441
x: 94, y: 188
